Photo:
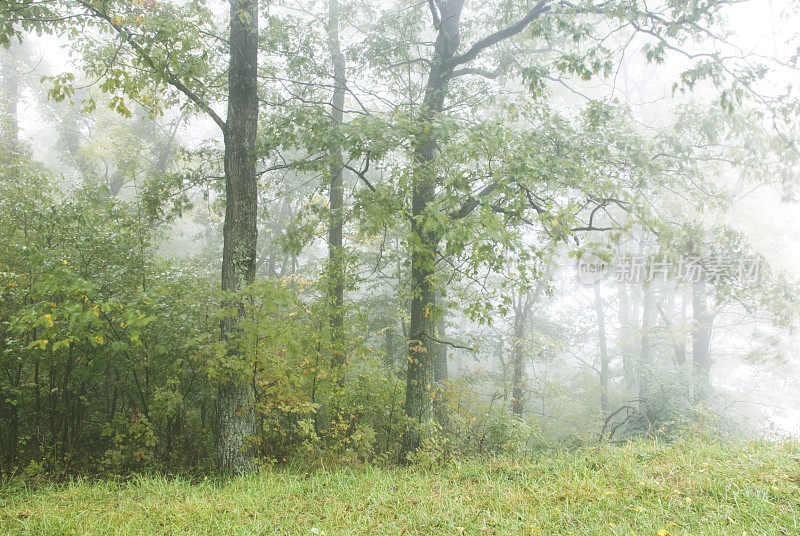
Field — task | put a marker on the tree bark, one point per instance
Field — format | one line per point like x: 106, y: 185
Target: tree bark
x: 440, y: 373
x: 9, y: 165
x: 522, y: 309
x: 701, y: 340
x: 601, y: 328
x: 680, y: 334
x: 336, y: 193
x: 626, y: 335
x: 10, y: 122
x: 235, y: 416
x: 644, y: 366
x: 424, y: 243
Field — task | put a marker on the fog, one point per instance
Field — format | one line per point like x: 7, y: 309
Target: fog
x: 579, y: 153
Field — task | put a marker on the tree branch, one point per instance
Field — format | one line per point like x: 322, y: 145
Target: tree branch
x: 362, y: 173
x: 476, y: 70
x: 436, y: 19
x: 450, y: 343
x: 542, y: 7
x: 472, y: 203
x: 162, y: 71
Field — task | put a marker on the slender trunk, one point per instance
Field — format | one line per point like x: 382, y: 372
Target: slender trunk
x: 601, y: 328
x: 522, y: 309
x: 440, y: 373
x: 680, y: 334
x: 644, y: 366
x: 9, y: 159
x: 336, y: 192
x: 390, y: 349
x: 423, y: 242
x: 235, y: 417
x: 65, y: 400
x: 10, y: 122
x: 701, y: 340
x: 37, y: 405
x: 13, y: 421
x: 626, y: 334
x: 518, y: 379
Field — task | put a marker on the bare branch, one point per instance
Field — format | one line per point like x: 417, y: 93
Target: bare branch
x: 476, y: 70
x: 362, y: 173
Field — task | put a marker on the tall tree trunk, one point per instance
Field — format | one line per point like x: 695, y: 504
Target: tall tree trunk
x: 627, y: 337
x: 701, y: 340
x: 11, y: 82
x: 440, y: 373
x: 336, y: 192
x: 9, y: 129
x: 522, y: 309
x: 644, y: 366
x: 235, y: 416
x: 518, y: 379
x: 9, y: 166
x: 680, y: 333
x: 424, y: 243
x: 601, y: 328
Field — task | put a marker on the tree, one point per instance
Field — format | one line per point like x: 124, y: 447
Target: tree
x: 599, y: 308
x: 445, y: 61
x: 10, y: 78
x: 522, y: 309
x: 235, y: 419
x: 336, y: 251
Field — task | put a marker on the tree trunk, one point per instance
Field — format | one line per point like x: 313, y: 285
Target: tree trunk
x: 9, y: 128
x: 518, y: 379
x: 440, y: 373
x: 601, y: 328
x: 644, y: 366
x: 701, y: 340
x: 424, y: 243
x: 10, y: 169
x: 235, y: 417
x: 680, y: 334
x: 522, y: 310
x: 336, y: 192
x: 11, y: 82
x: 627, y: 337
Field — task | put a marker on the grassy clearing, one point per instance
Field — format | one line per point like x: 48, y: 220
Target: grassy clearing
x: 684, y: 488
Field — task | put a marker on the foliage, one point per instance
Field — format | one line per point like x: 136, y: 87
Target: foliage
x: 99, y: 338
x: 110, y: 351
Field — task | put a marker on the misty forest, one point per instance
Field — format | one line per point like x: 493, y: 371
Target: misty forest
x: 399, y: 267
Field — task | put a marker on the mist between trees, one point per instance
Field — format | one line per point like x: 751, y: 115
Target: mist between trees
x: 253, y: 233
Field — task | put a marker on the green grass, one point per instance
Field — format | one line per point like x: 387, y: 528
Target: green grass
x: 644, y: 489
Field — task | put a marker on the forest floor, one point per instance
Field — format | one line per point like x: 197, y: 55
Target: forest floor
x: 686, y: 488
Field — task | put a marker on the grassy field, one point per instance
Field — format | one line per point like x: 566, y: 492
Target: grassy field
x: 643, y: 489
